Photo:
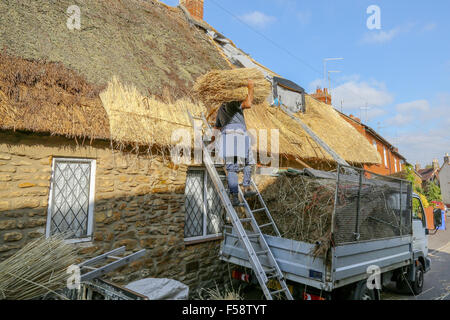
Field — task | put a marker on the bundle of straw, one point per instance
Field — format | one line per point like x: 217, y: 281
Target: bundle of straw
x: 302, y: 209
x: 37, y: 269
x: 220, y: 86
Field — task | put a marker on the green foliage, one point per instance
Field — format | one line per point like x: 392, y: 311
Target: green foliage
x: 410, y: 176
x: 433, y: 192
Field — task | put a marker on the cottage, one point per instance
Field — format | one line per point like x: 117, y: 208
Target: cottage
x: 86, y: 134
x: 429, y: 174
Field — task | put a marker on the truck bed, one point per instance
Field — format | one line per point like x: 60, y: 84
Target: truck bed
x: 348, y: 264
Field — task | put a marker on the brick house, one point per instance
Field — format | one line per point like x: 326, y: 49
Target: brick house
x: 392, y: 161
x: 430, y: 174
x: 66, y: 166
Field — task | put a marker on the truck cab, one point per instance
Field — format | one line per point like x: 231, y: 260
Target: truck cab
x: 420, y: 228
x: 422, y: 263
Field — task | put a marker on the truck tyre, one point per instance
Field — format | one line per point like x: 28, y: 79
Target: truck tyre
x: 416, y: 286
x: 362, y: 292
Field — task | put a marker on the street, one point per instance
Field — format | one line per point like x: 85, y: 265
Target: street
x: 437, y: 280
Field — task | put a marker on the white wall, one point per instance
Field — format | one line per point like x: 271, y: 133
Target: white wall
x: 444, y: 179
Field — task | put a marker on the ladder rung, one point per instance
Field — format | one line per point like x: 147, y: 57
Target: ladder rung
x: 262, y: 252
x: 247, y: 220
x: 272, y: 270
x: 266, y: 225
x: 254, y: 235
x: 114, y: 257
x: 259, y: 210
x: 279, y: 291
x: 272, y: 276
x: 89, y: 268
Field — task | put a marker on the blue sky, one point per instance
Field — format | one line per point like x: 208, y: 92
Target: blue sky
x: 401, y: 71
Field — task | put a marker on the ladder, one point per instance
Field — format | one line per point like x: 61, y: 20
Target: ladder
x: 248, y: 238
x: 95, y: 272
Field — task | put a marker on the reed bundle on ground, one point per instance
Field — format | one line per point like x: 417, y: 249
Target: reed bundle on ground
x: 39, y: 268
x: 220, y: 86
x: 217, y: 294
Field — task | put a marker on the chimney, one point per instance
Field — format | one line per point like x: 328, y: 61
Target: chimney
x: 417, y: 167
x: 195, y: 8
x: 322, y: 95
x: 436, y: 164
x: 355, y: 118
x: 447, y: 158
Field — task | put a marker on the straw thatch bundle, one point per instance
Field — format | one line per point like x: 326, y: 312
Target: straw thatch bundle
x: 43, y: 96
x: 302, y: 209
x: 137, y: 119
x: 219, y: 86
x: 36, y: 269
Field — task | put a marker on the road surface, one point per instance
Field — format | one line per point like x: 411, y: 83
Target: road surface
x: 437, y: 280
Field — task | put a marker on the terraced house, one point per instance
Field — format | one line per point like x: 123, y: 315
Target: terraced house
x: 85, y: 143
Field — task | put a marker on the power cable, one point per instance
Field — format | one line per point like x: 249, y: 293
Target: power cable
x: 278, y: 46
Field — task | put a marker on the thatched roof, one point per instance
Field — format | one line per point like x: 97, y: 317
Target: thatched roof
x: 141, y: 49
x: 144, y: 43
x: 38, y: 96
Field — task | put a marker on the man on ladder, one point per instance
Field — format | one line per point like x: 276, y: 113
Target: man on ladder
x: 235, y: 144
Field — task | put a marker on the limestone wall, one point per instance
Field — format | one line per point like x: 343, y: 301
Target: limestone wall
x: 139, y: 203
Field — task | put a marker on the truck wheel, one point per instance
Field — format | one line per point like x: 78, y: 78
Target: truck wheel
x: 417, y: 285
x: 361, y: 292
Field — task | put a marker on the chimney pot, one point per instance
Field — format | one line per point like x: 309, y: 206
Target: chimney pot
x: 417, y: 166
x: 195, y: 8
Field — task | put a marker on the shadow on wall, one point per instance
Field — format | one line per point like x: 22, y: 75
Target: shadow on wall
x: 154, y: 222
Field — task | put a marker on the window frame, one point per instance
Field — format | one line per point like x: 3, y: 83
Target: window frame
x: 90, y: 218
x: 205, y: 236
x: 385, y: 157
x: 423, y: 218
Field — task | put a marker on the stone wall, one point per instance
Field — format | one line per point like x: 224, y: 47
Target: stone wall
x: 139, y: 203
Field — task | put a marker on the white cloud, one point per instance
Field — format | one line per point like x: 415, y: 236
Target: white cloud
x: 357, y: 94
x: 430, y: 138
x: 401, y: 119
x: 422, y: 146
x: 257, y: 19
x: 381, y: 36
x: 419, y: 105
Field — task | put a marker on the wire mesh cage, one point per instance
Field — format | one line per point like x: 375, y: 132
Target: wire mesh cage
x: 370, y: 206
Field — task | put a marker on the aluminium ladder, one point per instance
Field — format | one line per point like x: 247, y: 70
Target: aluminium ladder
x: 95, y: 272
x: 264, y: 275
